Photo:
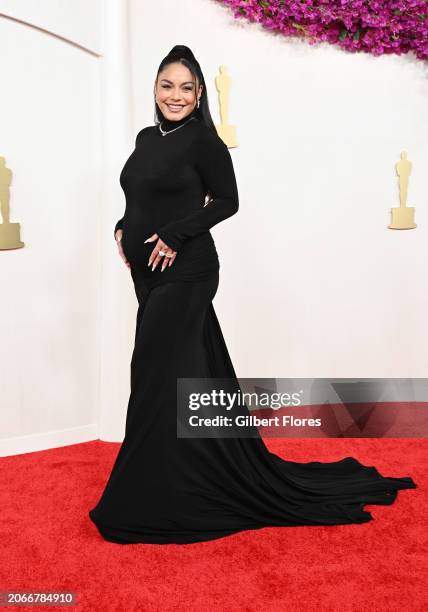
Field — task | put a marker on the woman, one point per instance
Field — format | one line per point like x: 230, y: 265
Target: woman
x: 169, y: 489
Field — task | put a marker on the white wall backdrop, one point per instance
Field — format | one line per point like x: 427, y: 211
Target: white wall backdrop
x: 66, y: 311
x: 78, y: 21
x: 312, y: 284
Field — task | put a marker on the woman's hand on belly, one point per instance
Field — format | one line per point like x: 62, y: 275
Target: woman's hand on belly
x: 118, y: 237
x: 161, y: 250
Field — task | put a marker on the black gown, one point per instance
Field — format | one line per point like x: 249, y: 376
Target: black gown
x: 169, y: 489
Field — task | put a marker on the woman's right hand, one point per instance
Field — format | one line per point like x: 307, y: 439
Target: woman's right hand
x: 118, y: 237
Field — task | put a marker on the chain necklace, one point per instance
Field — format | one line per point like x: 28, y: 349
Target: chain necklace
x: 166, y: 132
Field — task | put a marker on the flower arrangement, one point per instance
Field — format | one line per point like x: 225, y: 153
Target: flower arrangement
x: 371, y: 26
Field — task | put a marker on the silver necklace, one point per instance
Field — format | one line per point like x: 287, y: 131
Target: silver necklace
x: 166, y: 132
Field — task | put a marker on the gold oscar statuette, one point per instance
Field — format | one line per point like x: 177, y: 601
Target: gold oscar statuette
x: 9, y: 232
x: 403, y: 217
x: 226, y: 132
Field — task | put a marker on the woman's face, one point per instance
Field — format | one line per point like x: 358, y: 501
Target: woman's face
x: 175, y: 91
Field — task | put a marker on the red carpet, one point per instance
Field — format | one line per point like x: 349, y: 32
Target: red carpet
x: 48, y: 542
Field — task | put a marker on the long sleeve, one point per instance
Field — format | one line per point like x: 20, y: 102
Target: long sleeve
x: 214, y: 164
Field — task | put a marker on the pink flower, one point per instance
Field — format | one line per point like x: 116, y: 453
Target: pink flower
x: 370, y: 26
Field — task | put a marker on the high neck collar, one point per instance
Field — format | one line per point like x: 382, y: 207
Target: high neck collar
x: 168, y: 125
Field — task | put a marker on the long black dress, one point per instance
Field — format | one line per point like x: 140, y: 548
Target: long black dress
x: 169, y: 489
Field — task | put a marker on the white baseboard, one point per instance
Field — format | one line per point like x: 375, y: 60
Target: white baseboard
x: 48, y: 440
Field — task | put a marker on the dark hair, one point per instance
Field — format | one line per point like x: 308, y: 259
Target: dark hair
x: 183, y: 55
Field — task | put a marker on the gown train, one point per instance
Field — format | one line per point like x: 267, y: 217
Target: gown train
x: 165, y: 489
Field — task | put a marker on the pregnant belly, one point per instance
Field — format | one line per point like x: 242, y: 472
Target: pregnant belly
x: 196, y: 257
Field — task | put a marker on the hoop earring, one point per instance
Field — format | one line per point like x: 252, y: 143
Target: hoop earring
x: 199, y: 101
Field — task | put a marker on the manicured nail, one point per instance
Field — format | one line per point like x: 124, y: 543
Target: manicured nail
x: 153, y: 267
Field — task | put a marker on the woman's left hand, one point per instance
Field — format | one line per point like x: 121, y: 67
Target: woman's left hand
x: 155, y: 257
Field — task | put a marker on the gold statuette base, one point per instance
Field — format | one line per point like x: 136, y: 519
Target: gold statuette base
x: 10, y: 236
x: 228, y: 134
x: 403, y: 217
